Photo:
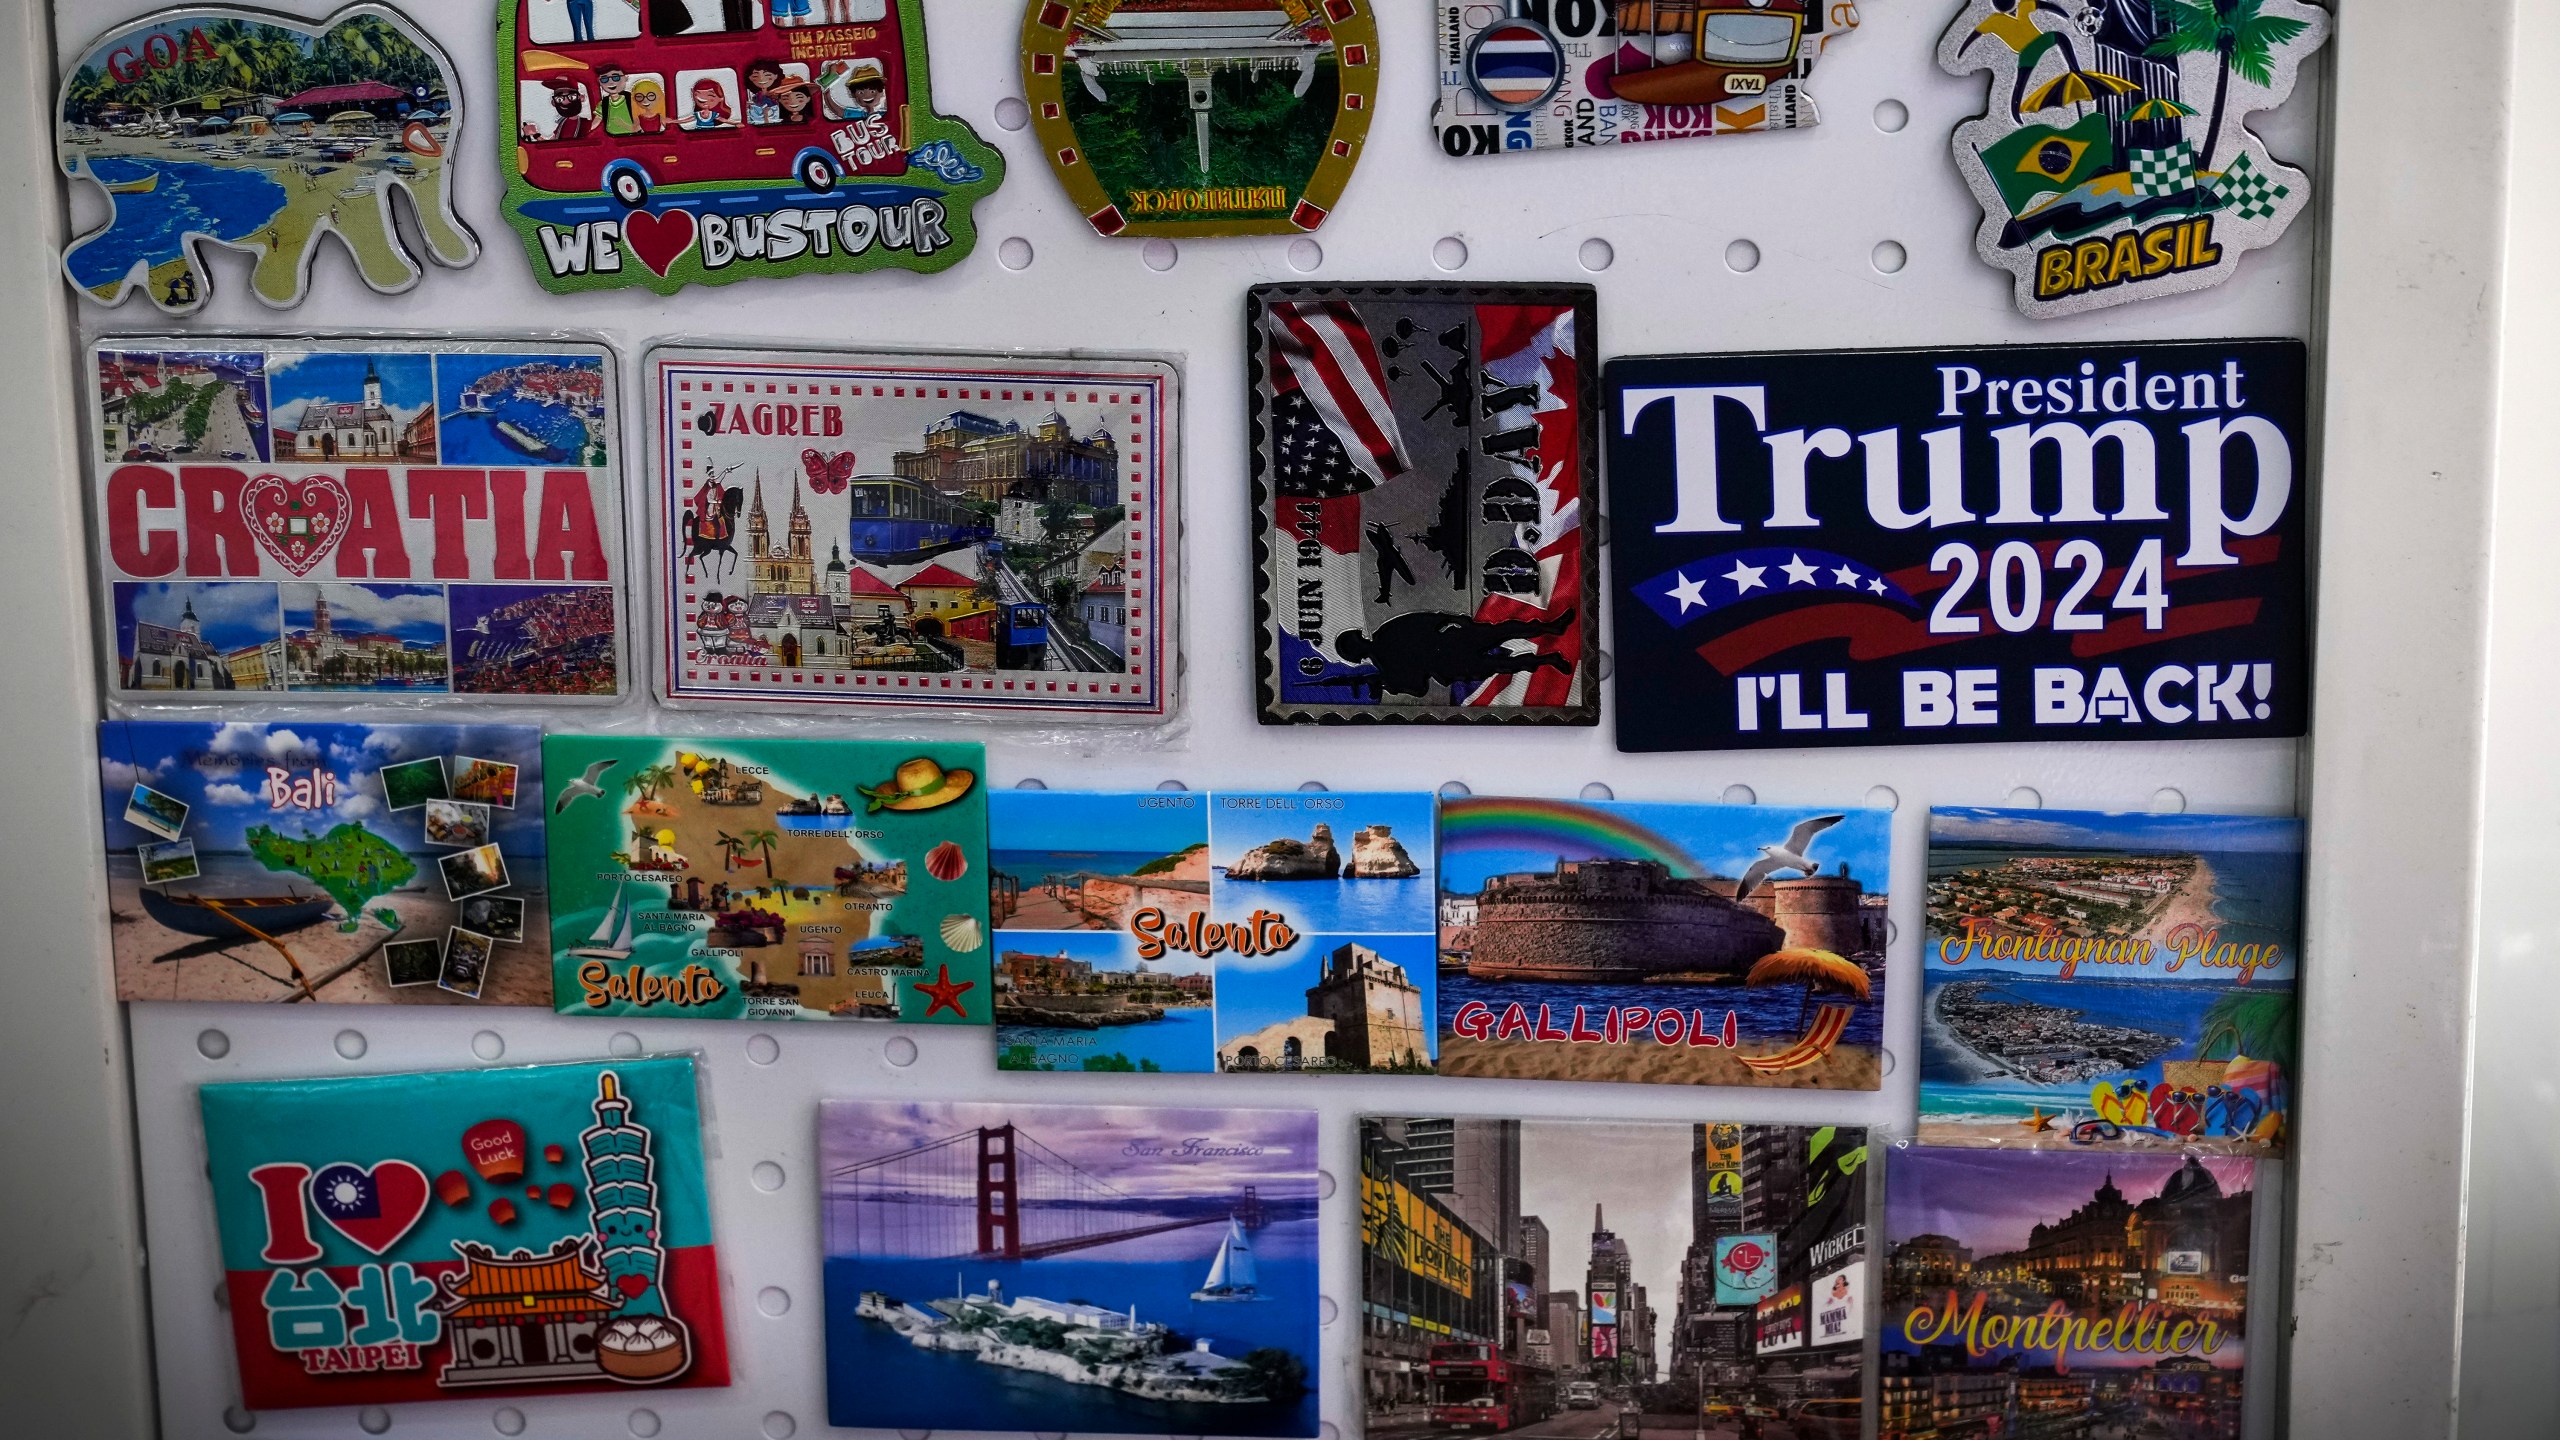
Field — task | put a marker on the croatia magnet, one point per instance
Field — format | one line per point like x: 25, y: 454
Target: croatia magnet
x: 256, y: 132
x: 1201, y: 117
x: 2116, y: 163
x: 668, y: 143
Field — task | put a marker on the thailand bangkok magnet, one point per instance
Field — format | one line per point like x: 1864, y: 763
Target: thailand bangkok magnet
x: 260, y: 133
x: 1201, y: 117
x: 2116, y: 162
x: 1530, y: 76
x: 668, y: 143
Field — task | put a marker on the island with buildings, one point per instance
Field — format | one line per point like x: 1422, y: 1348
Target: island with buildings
x: 1079, y: 1343
x: 2040, y: 1044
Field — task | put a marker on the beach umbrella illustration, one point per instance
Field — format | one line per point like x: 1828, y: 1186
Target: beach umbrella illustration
x: 2157, y: 108
x: 2077, y: 87
x: 1814, y: 970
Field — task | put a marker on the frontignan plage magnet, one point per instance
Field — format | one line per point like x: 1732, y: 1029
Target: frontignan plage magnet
x: 260, y: 133
x: 2116, y: 163
x: 668, y: 143
x: 1201, y: 117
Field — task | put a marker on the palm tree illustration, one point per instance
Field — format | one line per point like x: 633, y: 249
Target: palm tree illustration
x: 648, y: 782
x: 2254, y: 1023
x: 731, y: 847
x: 763, y: 841
x: 2238, y: 32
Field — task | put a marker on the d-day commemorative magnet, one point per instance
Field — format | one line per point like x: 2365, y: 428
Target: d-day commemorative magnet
x: 1894, y: 547
x: 668, y: 143
x: 260, y: 133
x: 2116, y: 163
x: 1201, y: 117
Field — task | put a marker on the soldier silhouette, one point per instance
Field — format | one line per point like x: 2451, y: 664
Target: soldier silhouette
x: 1411, y: 653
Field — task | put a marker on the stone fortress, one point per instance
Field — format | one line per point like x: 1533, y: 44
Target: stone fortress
x: 1363, y: 1013
x: 1633, y: 920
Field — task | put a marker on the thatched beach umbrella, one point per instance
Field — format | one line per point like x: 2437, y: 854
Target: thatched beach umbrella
x: 1814, y: 970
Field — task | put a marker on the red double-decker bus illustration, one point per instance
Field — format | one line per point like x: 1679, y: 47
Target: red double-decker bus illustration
x: 627, y: 96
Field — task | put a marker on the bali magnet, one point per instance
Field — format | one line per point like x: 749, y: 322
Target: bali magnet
x: 2116, y: 163
x: 698, y: 142
x: 1201, y: 117
x: 260, y: 133
x: 1620, y: 72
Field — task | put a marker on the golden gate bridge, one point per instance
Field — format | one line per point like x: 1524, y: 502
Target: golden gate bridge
x: 996, y: 1193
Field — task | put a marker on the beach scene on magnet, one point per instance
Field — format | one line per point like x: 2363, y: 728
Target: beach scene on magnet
x: 1722, y: 1284
x: 1285, y: 932
x: 1201, y: 117
x: 2116, y: 163
x: 375, y: 519
x: 209, y: 125
x: 1663, y: 943
x: 1623, y: 72
x: 1110, y: 1269
x: 258, y: 862
x: 2110, y: 981
x: 733, y: 879
x: 483, y: 1235
x: 666, y: 143
x: 970, y: 534
x: 2031, y: 1292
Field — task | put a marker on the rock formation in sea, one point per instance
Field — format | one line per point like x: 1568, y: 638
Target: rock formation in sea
x: 1311, y: 859
x: 1376, y: 854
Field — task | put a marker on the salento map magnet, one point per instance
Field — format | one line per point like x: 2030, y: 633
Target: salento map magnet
x: 210, y: 125
x: 540, y: 1230
x: 1423, y: 460
x: 2111, y: 982
x: 1669, y: 944
x: 1527, y: 76
x: 1201, y: 117
x: 254, y: 861
x: 1900, y: 547
x: 1181, y: 932
x: 358, y: 519
x: 2117, y: 163
x: 1116, y: 1270
x: 982, y: 534
x: 1754, y: 1236
x: 2029, y: 1292
x: 734, y: 879
x: 667, y: 143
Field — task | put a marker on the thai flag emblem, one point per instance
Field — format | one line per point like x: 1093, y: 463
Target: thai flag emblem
x: 1515, y: 64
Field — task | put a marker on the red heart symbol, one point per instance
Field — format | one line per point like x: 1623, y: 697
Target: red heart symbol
x: 375, y: 1207
x: 632, y: 1285
x: 658, y: 241
x: 298, y: 521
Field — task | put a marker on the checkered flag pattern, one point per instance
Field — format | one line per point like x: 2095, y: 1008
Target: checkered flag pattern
x: 2250, y: 195
x: 2166, y: 170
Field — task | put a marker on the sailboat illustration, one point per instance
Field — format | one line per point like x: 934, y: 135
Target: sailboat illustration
x: 612, y: 940
x: 1231, y: 1275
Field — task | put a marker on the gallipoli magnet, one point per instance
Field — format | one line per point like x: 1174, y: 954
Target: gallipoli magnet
x: 1124, y: 1271
x: 2114, y: 982
x: 257, y: 132
x: 1175, y: 931
x: 488, y: 1234
x: 2053, y: 1293
x: 1897, y: 547
x: 2116, y: 162
x: 1423, y: 458
x: 698, y: 142
x: 981, y: 534
x: 727, y: 879
x: 358, y: 519
x: 1671, y: 944
x: 1534, y: 76
x: 1201, y: 117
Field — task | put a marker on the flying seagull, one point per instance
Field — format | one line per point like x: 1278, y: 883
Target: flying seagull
x: 585, y: 785
x: 1790, y: 855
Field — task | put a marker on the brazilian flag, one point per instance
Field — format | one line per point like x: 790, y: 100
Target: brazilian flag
x: 2041, y: 160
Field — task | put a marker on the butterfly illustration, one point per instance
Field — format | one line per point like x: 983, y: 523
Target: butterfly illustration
x: 828, y: 474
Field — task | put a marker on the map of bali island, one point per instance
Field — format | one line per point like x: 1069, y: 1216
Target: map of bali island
x: 341, y: 520
x: 306, y: 866
x: 952, y: 532
x: 769, y: 879
x: 2119, y: 982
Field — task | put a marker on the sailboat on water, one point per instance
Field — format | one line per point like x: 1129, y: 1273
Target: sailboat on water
x: 1231, y: 1275
x: 612, y: 940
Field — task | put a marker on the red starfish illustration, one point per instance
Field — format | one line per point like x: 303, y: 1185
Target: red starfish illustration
x: 946, y: 994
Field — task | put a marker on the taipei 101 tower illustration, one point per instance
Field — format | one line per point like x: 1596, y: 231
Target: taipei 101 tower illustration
x: 642, y: 1344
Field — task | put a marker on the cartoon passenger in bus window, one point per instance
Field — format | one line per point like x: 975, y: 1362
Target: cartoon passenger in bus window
x: 566, y: 99
x: 648, y: 105
x: 850, y: 12
x: 790, y: 12
x: 613, y: 100
x: 851, y: 88
x: 762, y: 76
x: 797, y: 98
x: 576, y: 22
x: 708, y: 105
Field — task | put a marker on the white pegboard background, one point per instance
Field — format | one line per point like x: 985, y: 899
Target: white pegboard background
x: 1817, y: 207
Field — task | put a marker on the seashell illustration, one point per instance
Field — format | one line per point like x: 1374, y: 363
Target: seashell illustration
x: 946, y: 861
x: 961, y: 933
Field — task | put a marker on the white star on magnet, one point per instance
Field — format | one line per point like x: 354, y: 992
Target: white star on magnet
x: 1876, y: 585
x: 1745, y: 577
x: 1798, y: 572
x: 1692, y: 594
x: 1846, y: 576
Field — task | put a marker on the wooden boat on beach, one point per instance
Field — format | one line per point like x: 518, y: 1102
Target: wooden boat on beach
x: 213, y: 916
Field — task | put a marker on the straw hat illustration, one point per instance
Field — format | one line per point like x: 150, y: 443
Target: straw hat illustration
x: 919, y: 784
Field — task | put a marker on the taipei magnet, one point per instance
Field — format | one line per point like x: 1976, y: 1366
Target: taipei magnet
x: 1534, y: 76
x: 1201, y: 117
x: 260, y: 133
x: 669, y: 143
x: 2116, y: 163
